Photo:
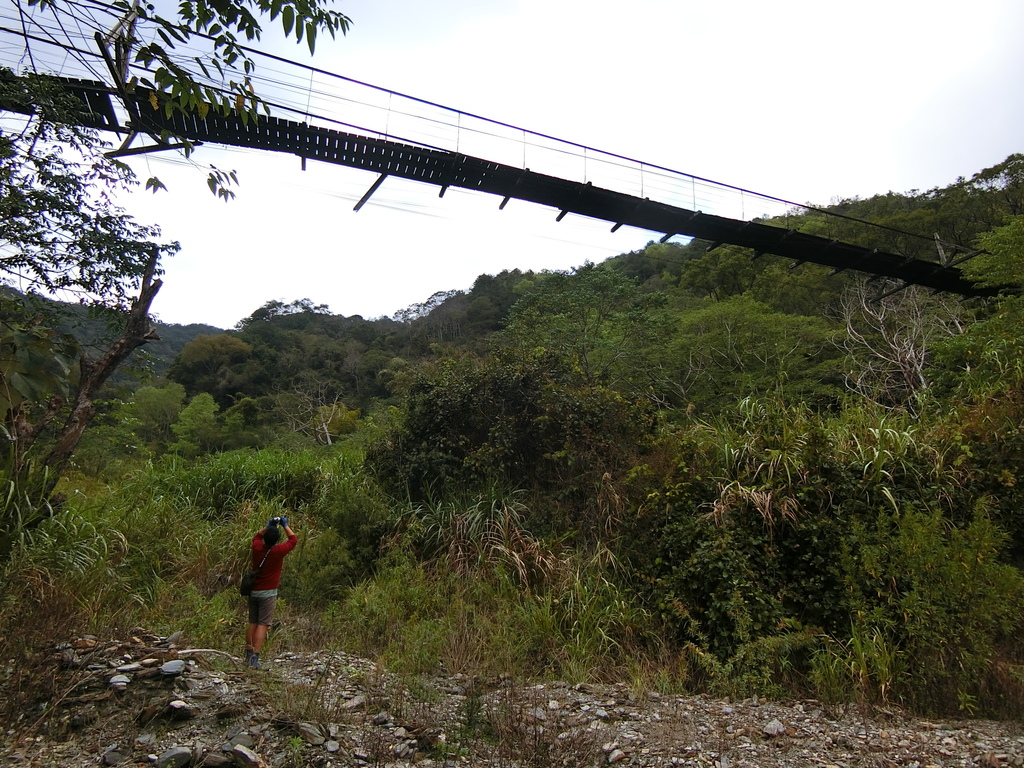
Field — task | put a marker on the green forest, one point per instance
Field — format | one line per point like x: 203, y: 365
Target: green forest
x: 691, y: 467
x: 683, y: 467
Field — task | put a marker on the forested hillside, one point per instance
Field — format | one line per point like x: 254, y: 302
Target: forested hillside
x: 688, y: 466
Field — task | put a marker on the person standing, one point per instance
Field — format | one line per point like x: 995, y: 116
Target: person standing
x: 267, y: 556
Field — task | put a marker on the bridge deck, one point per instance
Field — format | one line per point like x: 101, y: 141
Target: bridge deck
x: 449, y: 169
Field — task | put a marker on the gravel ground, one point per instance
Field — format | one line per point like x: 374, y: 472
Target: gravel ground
x: 149, y: 701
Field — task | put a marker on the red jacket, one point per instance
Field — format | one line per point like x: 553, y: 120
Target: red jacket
x: 270, y: 574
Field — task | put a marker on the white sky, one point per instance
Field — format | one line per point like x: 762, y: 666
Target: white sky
x: 807, y: 101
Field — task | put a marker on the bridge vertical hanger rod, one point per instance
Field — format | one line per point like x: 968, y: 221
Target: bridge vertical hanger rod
x: 370, y: 191
x: 943, y: 258
x: 122, y: 37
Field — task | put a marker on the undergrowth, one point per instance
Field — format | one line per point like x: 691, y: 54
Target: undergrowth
x: 922, y: 610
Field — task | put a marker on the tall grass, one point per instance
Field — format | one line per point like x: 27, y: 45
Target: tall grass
x: 166, y: 548
x: 222, y: 483
x: 467, y: 589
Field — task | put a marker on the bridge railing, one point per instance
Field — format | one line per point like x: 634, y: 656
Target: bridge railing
x: 335, y: 101
x: 318, y: 97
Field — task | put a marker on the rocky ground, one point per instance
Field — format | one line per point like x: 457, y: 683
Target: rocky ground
x: 155, y: 701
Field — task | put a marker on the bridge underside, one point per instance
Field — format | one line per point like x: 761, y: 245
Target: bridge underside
x: 448, y: 169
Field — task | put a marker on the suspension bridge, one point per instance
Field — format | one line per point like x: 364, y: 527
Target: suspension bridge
x: 325, y: 117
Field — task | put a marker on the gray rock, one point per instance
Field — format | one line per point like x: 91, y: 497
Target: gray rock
x: 146, y: 739
x: 180, y: 710
x: 615, y: 756
x: 243, y: 738
x: 774, y: 728
x: 332, y: 746
x: 357, y: 702
x: 172, y: 668
x: 120, y: 682
x: 175, y: 757
x: 404, y: 749
x: 113, y: 757
x: 246, y: 757
x: 311, y: 733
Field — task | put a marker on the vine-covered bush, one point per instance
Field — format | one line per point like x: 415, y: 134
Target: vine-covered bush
x: 851, y: 529
x: 511, y: 421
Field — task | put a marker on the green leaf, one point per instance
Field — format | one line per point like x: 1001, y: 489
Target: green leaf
x: 311, y: 36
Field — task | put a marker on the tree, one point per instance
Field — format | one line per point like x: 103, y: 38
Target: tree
x: 273, y: 309
x: 155, y: 410
x: 987, y: 358
x: 890, y: 341
x: 1001, y: 263
x: 205, y: 363
x: 196, y: 427
x: 61, y: 232
x: 740, y: 347
x: 193, y: 62
x: 594, y: 318
x: 315, y: 408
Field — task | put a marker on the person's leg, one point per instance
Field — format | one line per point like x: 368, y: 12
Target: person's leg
x: 259, y: 636
x: 251, y: 629
x: 261, y: 615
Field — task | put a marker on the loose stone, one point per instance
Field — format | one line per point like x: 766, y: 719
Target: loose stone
x: 175, y: 757
x: 172, y: 668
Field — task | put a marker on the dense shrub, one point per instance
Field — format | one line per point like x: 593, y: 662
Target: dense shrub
x: 855, y: 531
x: 513, y: 422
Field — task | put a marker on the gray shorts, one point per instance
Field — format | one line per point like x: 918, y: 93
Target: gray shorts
x: 261, y: 610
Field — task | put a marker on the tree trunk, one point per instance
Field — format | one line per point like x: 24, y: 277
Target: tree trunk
x: 137, y: 331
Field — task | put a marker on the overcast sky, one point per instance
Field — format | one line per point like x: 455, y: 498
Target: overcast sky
x: 806, y: 101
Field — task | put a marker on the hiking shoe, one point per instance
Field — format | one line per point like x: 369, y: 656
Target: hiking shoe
x: 253, y: 660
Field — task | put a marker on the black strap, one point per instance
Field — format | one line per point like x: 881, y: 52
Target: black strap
x: 265, y: 556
